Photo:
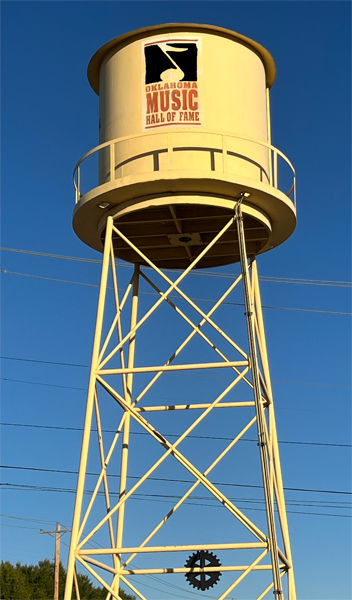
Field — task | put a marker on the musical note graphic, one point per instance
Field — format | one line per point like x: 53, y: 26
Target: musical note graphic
x: 171, y: 75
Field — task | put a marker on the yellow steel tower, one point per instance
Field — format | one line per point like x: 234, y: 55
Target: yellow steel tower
x: 187, y: 179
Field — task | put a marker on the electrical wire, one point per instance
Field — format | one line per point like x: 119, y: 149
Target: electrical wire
x: 140, y: 583
x: 200, y: 437
x: 18, y: 526
x: 308, y: 310
x: 63, y: 364
x: 153, y: 498
x: 66, y: 387
x: 267, y: 279
x: 47, y: 362
x: 93, y: 545
x: 68, y: 472
x: 169, y: 585
x: 296, y: 281
x: 93, y: 285
x: 29, y: 520
x: 169, y: 398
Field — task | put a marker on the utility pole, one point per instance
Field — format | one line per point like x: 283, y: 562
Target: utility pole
x: 57, y: 562
x: 58, y: 533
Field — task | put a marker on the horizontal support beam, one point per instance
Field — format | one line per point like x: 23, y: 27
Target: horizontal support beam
x: 220, y: 569
x: 191, y: 406
x: 161, y: 368
x: 188, y: 548
x: 167, y: 570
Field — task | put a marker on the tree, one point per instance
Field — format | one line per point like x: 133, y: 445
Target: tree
x: 13, y: 583
x: 36, y: 582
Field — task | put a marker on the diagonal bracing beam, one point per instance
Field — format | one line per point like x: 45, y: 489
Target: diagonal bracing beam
x: 264, y: 418
x: 172, y: 449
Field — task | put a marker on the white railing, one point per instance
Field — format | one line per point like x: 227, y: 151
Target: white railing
x: 225, y: 148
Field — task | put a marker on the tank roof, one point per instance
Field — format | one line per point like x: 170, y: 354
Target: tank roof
x: 119, y: 42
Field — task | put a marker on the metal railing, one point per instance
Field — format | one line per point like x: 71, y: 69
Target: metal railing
x: 224, y: 149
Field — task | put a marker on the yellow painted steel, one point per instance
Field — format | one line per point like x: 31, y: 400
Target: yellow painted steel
x: 79, y: 547
x: 181, y: 192
x: 186, y: 548
x: 231, y: 74
x: 175, y: 154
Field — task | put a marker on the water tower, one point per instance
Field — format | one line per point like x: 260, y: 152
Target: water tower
x: 186, y: 178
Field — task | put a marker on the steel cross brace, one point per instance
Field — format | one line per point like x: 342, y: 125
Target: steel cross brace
x: 260, y: 382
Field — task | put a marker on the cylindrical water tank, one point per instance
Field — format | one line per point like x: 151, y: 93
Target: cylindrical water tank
x: 184, y: 130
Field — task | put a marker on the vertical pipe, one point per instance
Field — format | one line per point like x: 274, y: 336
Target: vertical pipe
x: 278, y: 591
x: 126, y: 428
x: 89, y: 411
x: 275, y: 445
x: 269, y: 409
x: 269, y: 134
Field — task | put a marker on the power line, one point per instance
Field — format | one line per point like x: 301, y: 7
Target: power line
x: 68, y: 472
x: 202, y: 273
x: 96, y: 545
x: 55, y: 385
x: 153, y: 498
x: 68, y: 387
x: 63, y: 364
x: 36, y: 528
x: 170, y: 585
x: 168, y: 398
x: 29, y: 520
x: 93, y: 285
x: 46, y: 362
x: 308, y: 310
x: 47, y: 255
x: 199, y: 437
x: 18, y: 526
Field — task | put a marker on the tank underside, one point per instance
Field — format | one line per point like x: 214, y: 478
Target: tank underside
x: 172, y: 221
x: 177, y: 234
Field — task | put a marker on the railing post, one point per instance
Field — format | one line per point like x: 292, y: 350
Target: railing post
x: 294, y: 189
x: 78, y: 190
x: 275, y: 169
x: 112, y: 161
x: 272, y: 157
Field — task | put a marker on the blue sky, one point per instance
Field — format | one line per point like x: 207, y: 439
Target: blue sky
x: 49, y: 120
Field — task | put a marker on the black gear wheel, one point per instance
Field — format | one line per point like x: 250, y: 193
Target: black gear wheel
x: 203, y: 581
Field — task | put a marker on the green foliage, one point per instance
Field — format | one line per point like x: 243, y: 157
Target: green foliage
x: 36, y: 582
x: 13, y: 583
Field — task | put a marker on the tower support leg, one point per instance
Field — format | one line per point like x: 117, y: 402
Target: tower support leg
x: 262, y: 441
x: 279, y: 488
x: 245, y: 367
x: 89, y: 413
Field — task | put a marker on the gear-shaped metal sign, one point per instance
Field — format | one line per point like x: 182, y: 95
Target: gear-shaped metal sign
x: 203, y: 580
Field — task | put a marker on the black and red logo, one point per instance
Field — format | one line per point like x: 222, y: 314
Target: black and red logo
x: 170, y: 61
x: 171, y: 83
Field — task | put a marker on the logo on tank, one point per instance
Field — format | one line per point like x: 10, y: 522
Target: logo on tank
x: 171, y: 94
